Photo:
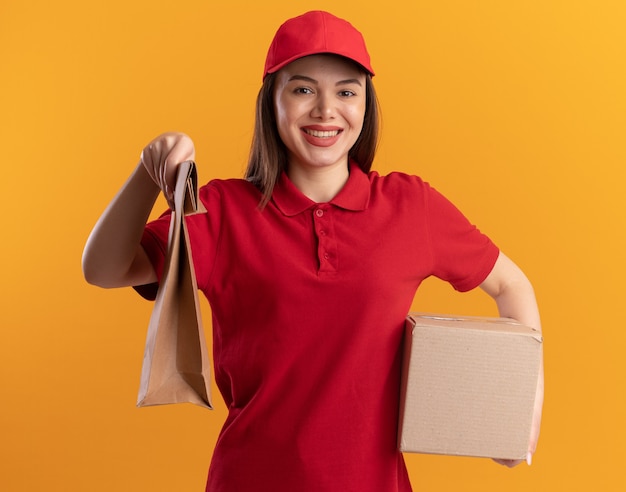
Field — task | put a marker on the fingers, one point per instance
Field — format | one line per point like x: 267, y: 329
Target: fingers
x: 536, y: 421
x: 161, y: 158
x: 514, y: 463
x: 508, y: 463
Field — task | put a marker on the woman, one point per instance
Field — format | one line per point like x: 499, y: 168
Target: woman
x: 310, y: 266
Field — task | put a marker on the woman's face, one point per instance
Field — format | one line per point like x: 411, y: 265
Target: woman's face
x: 320, y: 105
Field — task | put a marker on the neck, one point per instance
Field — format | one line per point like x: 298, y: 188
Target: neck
x: 319, y: 184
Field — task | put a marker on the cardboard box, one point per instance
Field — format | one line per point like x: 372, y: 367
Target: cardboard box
x: 468, y: 386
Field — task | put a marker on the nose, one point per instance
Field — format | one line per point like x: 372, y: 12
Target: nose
x: 324, y: 107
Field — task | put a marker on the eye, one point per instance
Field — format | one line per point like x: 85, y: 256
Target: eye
x: 302, y: 90
x: 347, y: 93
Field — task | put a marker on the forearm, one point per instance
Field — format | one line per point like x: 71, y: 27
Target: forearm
x: 517, y: 301
x: 513, y: 293
x: 515, y: 298
x: 113, y: 256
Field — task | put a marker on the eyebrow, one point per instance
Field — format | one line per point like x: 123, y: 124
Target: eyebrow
x: 313, y: 81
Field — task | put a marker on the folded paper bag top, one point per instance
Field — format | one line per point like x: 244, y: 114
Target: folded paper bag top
x: 176, y: 367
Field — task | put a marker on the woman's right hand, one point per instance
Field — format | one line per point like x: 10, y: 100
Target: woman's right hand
x: 161, y: 158
x: 113, y: 255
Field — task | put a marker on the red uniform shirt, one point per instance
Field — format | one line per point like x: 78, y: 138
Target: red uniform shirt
x: 308, y: 303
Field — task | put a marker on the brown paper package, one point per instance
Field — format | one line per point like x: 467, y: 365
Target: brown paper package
x: 176, y: 367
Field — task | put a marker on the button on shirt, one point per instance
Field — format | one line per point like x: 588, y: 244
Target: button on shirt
x: 308, y: 302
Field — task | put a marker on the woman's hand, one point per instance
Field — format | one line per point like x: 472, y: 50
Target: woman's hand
x: 113, y: 255
x: 161, y: 158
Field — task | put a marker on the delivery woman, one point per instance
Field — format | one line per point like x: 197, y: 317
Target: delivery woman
x: 310, y: 264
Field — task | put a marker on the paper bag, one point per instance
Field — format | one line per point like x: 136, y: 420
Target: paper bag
x: 176, y: 364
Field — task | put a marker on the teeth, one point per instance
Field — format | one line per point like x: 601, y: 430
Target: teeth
x: 324, y: 134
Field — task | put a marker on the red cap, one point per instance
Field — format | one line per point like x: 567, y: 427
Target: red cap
x: 314, y: 33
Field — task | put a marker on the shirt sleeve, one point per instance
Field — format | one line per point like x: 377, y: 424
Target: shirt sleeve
x: 154, y: 243
x: 462, y: 254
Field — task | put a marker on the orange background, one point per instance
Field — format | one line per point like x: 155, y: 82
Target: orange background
x: 516, y: 110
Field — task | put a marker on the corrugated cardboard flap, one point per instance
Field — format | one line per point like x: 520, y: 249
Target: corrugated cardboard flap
x: 480, y: 323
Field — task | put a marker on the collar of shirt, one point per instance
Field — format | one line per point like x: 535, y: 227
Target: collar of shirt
x: 355, y: 194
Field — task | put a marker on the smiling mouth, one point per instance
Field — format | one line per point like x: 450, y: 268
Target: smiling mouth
x: 321, y: 134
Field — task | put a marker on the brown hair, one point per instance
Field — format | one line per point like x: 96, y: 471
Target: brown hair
x: 268, y: 154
